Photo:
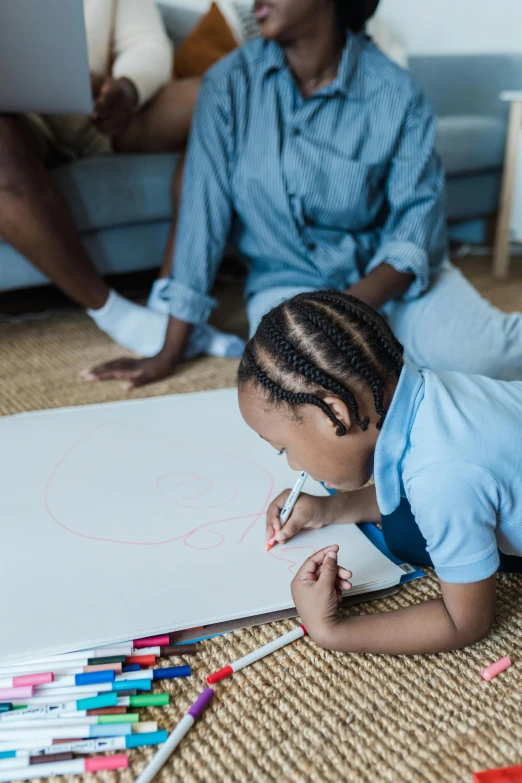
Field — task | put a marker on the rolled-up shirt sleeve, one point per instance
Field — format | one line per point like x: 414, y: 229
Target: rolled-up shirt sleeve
x: 414, y: 239
x: 206, y: 206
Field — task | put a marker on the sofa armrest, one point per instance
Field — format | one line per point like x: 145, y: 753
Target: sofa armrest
x: 468, y: 84
x: 181, y: 16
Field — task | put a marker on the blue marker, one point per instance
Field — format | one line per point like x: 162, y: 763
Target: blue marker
x: 169, y: 673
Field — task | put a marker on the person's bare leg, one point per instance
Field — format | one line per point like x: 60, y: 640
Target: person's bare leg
x: 163, y: 125
x: 35, y: 220
x: 176, y: 186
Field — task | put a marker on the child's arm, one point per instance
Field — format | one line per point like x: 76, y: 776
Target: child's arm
x: 311, y: 512
x: 463, y: 615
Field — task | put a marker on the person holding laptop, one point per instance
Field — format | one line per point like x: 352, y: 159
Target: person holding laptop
x: 137, y: 108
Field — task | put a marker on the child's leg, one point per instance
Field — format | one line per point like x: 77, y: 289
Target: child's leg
x: 261, y: 303
x: 452, y: 327
x: 403, y: 537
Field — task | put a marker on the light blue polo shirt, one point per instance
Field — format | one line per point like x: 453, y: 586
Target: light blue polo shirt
x: 452, y: 445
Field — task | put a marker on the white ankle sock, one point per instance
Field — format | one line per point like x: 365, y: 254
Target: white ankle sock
x: 205, y: 339
x: 137, y: 328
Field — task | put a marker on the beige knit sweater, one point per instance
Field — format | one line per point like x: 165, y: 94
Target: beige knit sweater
x: 130, y: 35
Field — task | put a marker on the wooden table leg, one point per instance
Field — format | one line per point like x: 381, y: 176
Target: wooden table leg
x: 503, y: 235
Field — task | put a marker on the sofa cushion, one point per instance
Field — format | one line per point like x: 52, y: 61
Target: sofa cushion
x: 117, y: 190
x: 471, y: 143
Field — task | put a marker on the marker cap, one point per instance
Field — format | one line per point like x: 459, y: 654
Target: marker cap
x: 220, y: 675
x: 152, y: 738
x: 150, y: 700
x: 151, y: 641
x: 98, y: 702
x: 43, y: 678
x: 102, y: 763
x: 200, y: 704
x: 171, y: 673
x: 89, y: 678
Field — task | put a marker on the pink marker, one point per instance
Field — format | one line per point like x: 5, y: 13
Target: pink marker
x: 43, y: 678
x: 75, y: 767
x: 8, y: 694
x: 496, y: 668
x: 151, y: 641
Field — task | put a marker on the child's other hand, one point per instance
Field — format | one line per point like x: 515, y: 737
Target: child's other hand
x: 309, y: 513
x: 316, y: 590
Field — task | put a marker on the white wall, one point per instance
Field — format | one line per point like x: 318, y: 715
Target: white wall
x: 456, y: 26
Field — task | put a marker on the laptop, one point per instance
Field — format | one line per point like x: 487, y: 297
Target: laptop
x: 44, y: 64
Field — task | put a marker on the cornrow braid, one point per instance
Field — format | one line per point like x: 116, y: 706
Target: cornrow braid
x: 386, y: 344
x: 282, y: 395
x: 299, y: 364
x: 331, y: 332
x: 328, y: 340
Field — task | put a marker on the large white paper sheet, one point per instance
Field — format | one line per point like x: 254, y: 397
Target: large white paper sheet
x: 127, y: 519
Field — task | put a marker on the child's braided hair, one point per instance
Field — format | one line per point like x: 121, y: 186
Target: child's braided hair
x: 314, y: 344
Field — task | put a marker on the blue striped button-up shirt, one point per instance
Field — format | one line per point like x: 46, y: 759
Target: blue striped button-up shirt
x: 315, y: 192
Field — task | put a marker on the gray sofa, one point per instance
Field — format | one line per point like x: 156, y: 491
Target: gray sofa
x: 121, y: 204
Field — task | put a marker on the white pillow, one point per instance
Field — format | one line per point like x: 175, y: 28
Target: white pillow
x: 388, y: 41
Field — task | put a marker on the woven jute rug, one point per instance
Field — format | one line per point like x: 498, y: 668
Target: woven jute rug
x: 303, y: 714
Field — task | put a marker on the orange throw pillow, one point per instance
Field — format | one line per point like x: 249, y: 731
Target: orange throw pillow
x: 208, y: 42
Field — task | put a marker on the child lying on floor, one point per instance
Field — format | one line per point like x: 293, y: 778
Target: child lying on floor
x: 324, y: 381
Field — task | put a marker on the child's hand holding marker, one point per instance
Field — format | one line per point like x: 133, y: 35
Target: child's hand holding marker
x: 311, y: 512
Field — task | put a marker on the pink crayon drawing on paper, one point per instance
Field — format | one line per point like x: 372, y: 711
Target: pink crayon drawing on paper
x: 122, y: 485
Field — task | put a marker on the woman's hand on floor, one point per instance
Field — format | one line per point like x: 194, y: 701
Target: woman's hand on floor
x: 133, y: 372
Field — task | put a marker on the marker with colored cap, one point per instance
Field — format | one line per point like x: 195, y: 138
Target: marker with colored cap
x: 6, y: 707
x: 25, y: 760
x: 177, y: 735
x: 67, y: 719
x: 123, y: 650
x: 21, y: 740
x: 66, y: 668
x: 289, y: 505
x: 89, y: 678
x: 93, y: 689
x: 102, y: 745
x: 108, y: 711
x: 168, y: 673
x: 252, y: 657
x: 162, y: 652
x: 55, y: 710
x: 21, y: 680
x: 76, y: 767
x: 46, y: 736
x: 97, y: 702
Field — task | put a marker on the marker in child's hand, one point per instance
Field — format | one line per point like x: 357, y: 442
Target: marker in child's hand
x: 289, y: 505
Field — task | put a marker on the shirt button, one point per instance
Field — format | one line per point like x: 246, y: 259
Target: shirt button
x: 296, y: 131
x: 312, y: 246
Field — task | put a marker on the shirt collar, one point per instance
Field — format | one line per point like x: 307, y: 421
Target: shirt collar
x: 349, y: 76
x: 394, y: 436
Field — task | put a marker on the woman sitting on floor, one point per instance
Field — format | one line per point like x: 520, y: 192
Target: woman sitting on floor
x: 319, y: 153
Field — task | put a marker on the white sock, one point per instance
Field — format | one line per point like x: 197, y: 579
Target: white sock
x: 134, y: 327
x: 205, y: 339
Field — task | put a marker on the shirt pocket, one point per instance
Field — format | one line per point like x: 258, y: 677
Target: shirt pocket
x: 348, y: 197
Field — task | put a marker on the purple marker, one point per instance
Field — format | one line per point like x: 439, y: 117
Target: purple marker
x: 175, y: 738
